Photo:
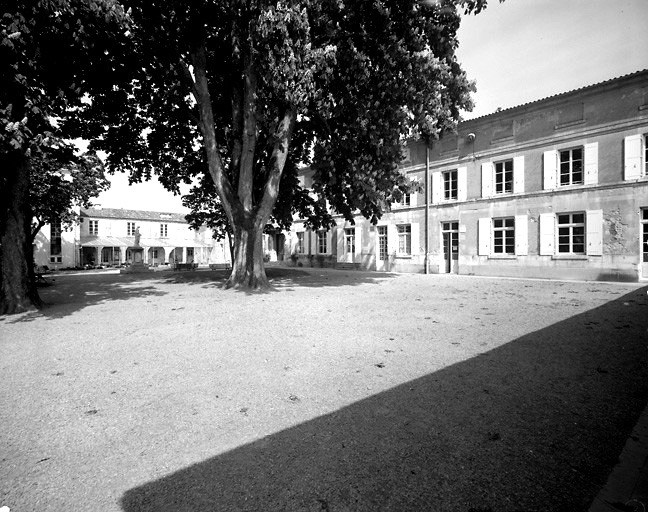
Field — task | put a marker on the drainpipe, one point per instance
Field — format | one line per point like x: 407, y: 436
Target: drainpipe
x: 427, y: 205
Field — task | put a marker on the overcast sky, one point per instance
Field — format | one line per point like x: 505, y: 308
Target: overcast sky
x: 517, y: 51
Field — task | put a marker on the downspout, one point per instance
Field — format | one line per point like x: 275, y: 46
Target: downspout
x: 427, y: 205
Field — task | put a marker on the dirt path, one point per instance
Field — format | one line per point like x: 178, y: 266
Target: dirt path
x: 340, y: 391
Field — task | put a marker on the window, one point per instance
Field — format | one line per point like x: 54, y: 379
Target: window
x: 321, y: 242
x: 93, y: 227
x: 382, y: 243
x: 406, y: 199
x: 163, y: 230
x: 55, y: 242
x: 300, y: 242
x: 404, y: 238
x: 504, y: 236
x: 504, y: 177
x: 130, y: 229
x: 349, y: 240
x: 571, y: 166
x: 450, y: 185
x: 571, y: 233
x: 644, y: 228
x: 645, y: 151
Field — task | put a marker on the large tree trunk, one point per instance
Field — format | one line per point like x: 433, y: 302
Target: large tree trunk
x: 248, y: 270
x: 17, y: 285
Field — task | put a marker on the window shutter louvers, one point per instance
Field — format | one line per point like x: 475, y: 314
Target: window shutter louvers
x: 462, y: 183
x: 416, y: 237
x: 632, y: 146
x: 487, y: 173
x: 436, y: 187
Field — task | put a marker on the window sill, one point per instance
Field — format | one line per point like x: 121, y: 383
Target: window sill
x: 582, y: 257
x: 403, y: 256
x: 502, y: 257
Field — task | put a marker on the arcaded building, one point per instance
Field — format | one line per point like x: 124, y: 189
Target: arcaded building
x: 555, y: 188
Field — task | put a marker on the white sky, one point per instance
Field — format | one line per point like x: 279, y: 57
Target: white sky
x: 517, y: 51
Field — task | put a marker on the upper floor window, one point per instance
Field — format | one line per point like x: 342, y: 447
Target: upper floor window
x: 571, y: 166
x: 164, y: 230
x: 504, y: 177
x: 93, y: 227
x: 130, y: 229
x: 450, y: 185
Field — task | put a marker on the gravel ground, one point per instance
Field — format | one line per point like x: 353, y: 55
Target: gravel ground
x: 335, y: 391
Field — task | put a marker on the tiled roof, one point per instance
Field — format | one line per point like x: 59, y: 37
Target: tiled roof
x: 558, y: 95
x: 120, y: 213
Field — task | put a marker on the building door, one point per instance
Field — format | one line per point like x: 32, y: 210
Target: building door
x: 450, y: 231
x: 349, y: 247
x: 280, y: 243
x: 644, y: 243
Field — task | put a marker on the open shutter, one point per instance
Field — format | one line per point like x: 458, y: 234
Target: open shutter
x: 416, y: 237
x: 484, y: 234
x: 436, y: 187
x: 547, y: 234
x: 632, y: 146
x: 392, y: 239
x: 311, y: 241
x: 521, y: 235
x: 591, y: 163
x: 518, y: 175
x: 358, y: 240
x: 413, y: 198
x: 462, y: 183
x: 594, y: 221
x: 329, y: 242
x: 550, y: 161
x: 339, y: 231
x: 487, y: 179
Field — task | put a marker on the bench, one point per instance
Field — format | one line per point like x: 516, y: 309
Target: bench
x: 186, y: 266
x: 220, y: 266
x: 347, y: 266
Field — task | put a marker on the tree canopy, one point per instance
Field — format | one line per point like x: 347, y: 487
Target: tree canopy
x: 238, y: 94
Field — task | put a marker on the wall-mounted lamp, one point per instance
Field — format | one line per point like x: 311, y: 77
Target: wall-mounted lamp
x: 471, y: 137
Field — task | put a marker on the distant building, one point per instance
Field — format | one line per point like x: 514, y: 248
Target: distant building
x: 556, y: 188
x: 104, y: 235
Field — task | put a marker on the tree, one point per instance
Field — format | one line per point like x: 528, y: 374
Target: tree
x: 61, y: 181
x: 52, y: 53
x: 242, y: 92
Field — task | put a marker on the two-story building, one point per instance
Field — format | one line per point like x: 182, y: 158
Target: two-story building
x: 104, y: 235
x: 556, y: 188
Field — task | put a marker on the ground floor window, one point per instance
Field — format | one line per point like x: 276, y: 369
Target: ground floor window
x: 504, y: 236
x: 300, y: 242
x: 382, y: 243
x: 404, y: 238
x: 571, y: 233
x: 56, y: 242
x: 321, y: 242
x: 349, y: 240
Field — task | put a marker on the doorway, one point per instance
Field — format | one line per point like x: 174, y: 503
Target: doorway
x: 450, y: 231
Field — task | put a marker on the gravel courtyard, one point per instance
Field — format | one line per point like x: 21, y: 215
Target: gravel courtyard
x: 334, y: 391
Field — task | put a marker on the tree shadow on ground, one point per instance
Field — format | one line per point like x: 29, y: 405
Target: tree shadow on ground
x: 492, y: 433
x: 282, y: 278
x: 66, y: 294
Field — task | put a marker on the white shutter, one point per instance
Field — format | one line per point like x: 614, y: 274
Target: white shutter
x: 358, y: 241
x: 462, y: 183
x: 416, y: 237
x: 340, y: 242
x: 547, y: 234
x: 436, y: 187
x: 392, y: 239
x: 550, y: 160
x: 329, y: 242
x: 487, y: 178
x: 594, y: 221
x: 484, y: 234
x: 591, y: 163
x: 312, y: 241
x: 518, y: 175
x: 521, y: 235
x: 413, y: 197
x: 632, y: 146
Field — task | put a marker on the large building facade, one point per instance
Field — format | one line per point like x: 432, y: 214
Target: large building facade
x: 104, y: 235
x: 556, y: 188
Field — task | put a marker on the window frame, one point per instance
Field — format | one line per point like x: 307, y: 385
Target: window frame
x: 349, y: 241
x: 404, y: 232
x: 570, y: 227
x: 570, y: 166
x: 506, y: 184
x: 301, y: 237
x: 322, y: 246
x: 383, y: 243
x: 506, y: 247
x: 93, y: 227
x: 164, y: 230
x: 448, y: 178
